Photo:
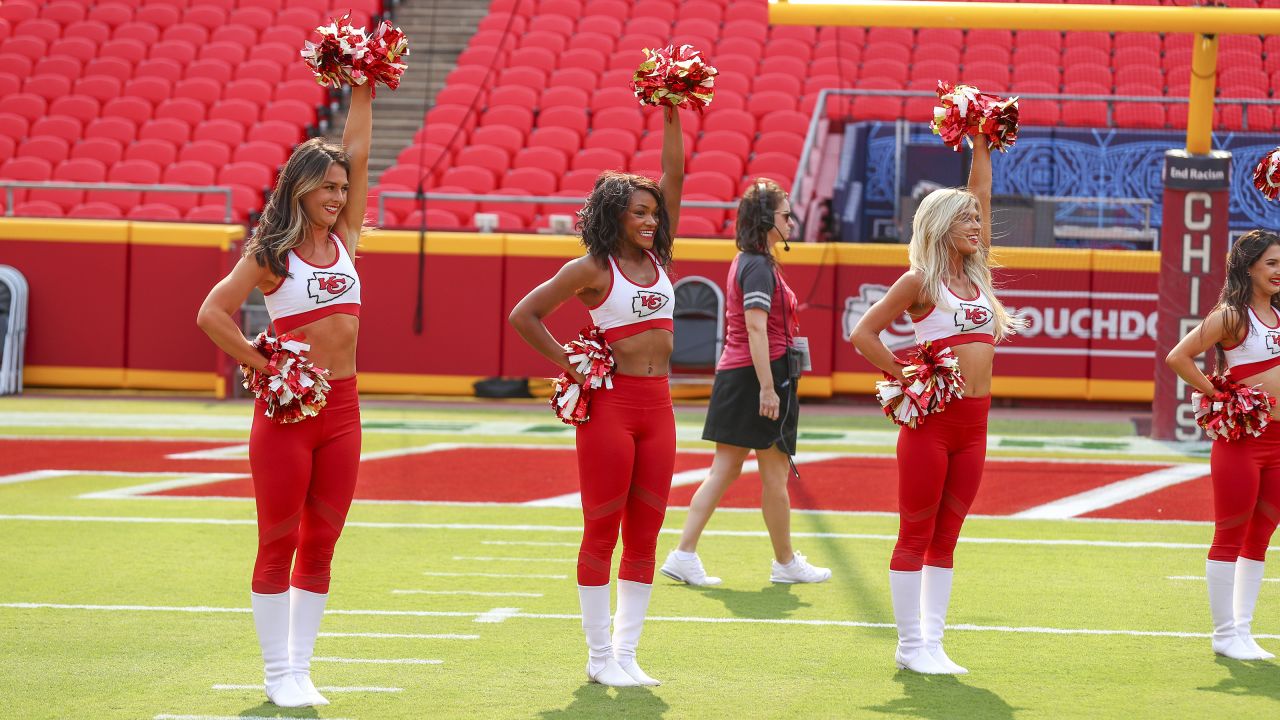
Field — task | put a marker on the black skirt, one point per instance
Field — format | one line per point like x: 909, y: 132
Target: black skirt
x: 733, y: 415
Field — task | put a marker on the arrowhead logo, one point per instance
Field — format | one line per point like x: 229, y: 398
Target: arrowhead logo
x: 971, y: 317
x: 1273, y: 343
x: 898, y: 334
x: 646, y: 303
x: 326, y: 287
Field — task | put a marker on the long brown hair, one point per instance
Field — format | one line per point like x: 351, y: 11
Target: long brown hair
x: 755, y: 216
x: 283, y: 224
x: 600, y: 219
x: 1237, y: 288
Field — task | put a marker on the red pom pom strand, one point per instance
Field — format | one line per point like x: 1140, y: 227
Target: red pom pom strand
x: 1266, y: 176
x: 675, y: 77
x: 346, y: 55
x: 963, y: 110
x: 292, y: 387
x: 1233, y: 411
x: 934, y: 380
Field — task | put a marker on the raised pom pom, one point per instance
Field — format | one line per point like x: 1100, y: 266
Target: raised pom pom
x: 934, y: 380
x: 292, y: 387
x: 963, y: 111
x: 675, y: 77
x: 1233, y: 411
x: 1266, y: 176
x: 347, y: 55
x: 592, y: 359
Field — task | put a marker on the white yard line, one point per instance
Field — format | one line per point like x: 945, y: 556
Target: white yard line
x: 498, y: 615
x: 578, y: 530
x: 1200, y: 578
x: 328, y: 689
x: 472, y: 558
x: 529, y: 543
x: 502, y: 614
x: 402, y: 636
x: 476, y: 593
x: 30, y: 476
x: 380, y: 661
x: 235, y: 717
x: 1114, y: 493
x: 235, y: 451
x: 525, y: 576
x: 179, y: 480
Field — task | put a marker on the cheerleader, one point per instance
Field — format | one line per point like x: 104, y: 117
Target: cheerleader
x: 626, y: 451
x: 949, y: 296
x: 304, y: 474
x: 1244, y: 331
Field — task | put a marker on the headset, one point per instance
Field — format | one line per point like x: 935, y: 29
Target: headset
x: 766, y: 217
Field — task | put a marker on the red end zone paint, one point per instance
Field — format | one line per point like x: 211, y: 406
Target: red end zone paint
x: 505, y: 475
x: 17, y: 456
x: 1191, y: 500
x: 856, y: 483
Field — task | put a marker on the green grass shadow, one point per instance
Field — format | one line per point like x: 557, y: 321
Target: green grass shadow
x: 944, y: 697
x: 595, y: 701
x: 1260, y: 679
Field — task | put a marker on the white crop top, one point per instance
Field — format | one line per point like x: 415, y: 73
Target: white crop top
x: 967, y: 320
x: 1258, y: 352
x: 314, y: 292
x: 629, y: 308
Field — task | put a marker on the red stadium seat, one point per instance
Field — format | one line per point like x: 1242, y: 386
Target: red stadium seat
x: 37, y: 208
x: 1085, y: 55
x: 985, y: 53
x: 1135, y: 57
x: 242, y: 112
x: 715, y: 161
x: 739, y: 121
x: 785, y: 120
x: 1139, y: 115
x: 203, y: 89
x: 730, y: 142
x: 1038, y: 55
x: 96, y: 211
x: 229, y: 52
x: 598, y: 159
x: 1097, y: 40
x: 127, y: 49
x: 695, y: 225
x: 159, y: 68
x: 520, y: 94
x: 67, y: 67
x: 533, y: 57
x: 104, y: 150
x: 563, y: 139
x: 889, y: 51
x: 209, y: 152
x: 118, y: 129
x: 713, y: 184
x: 611, y: 97
x: 629, y: 119
x: 66, y: 128
x: 623, y: 141
x: 38, y: 27
x: 189, y: 111
x: 579, y: 180
x: 1084, y: 74
x: 16, y: 65
x: 1130, y: 40
x: 52, y: 150
x: 228, y: 132
x: 152, y: 89
x: 494, y: 159
x: 989, y: 76
x: 1086, y: 113
x: 81, y: 107
x: 266, y: 153
x: 501, y: 136
x: 209, y: 17
x: 170, y: 129
x: 252, y: 90
x: 739, y: 46
x: 159, y: 152
x: 549, y: 159
x: 572, y: 96
x: 155, y: 211
x: 780, y: 141
x: 111, y: 14
x: 248, y: 174
x: 530, y: 79
x: 533, y: 180
x: 32, y: 48
x: 145, y: 33
x: 277, y: 132
x: 891, y: 71
x: 474, y: 179
x: 48, y: 87
x: 553, y: 41
x: 436, y: 219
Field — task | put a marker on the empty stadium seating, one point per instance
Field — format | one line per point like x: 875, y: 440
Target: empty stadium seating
x: 88, y: 89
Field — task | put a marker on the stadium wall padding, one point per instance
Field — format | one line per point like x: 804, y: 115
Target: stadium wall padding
x: 113, y: 305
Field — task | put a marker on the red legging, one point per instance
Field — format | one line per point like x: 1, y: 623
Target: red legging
x: 1246, y: 495
x: 939, y: 470
x: 304, y: 476
x: 626, y: 454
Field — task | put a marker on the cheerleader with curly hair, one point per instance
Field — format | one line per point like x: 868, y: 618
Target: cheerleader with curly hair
x: 626, y: 452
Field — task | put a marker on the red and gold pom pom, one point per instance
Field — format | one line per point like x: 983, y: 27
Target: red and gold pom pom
x: 675, y: 77
x: 963, y: 111
x: 347, y: 55
x: 591, y: 358
x: 1233, y: 411
x: 934, y: 381
x: 1266, y: 176
x: 292, y: 387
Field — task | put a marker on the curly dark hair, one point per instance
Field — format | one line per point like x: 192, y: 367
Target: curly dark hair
x: 599, y: 220
x: 1237, y: 288
x: 751, y: 233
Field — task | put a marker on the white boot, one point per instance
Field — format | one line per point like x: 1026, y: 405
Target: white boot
x: 935, y: 596
x: 633, y: 605
x: 271, y: 620
x: 305, y: 611
x: 601, y: 667
x: 1248, y: 583
x: 911, y: 654
x: 1221, y: 576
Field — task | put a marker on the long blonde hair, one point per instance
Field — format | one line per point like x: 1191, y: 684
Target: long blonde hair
x: 930, y: 254
x: 283, y: 224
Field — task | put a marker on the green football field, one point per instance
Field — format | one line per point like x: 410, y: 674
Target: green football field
x: 129, y: 536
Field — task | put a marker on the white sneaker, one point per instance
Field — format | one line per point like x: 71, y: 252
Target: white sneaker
x: 690, y: 572
x: 798, y: 571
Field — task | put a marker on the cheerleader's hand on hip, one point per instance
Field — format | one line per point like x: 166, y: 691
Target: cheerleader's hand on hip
x: 769, y: 402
